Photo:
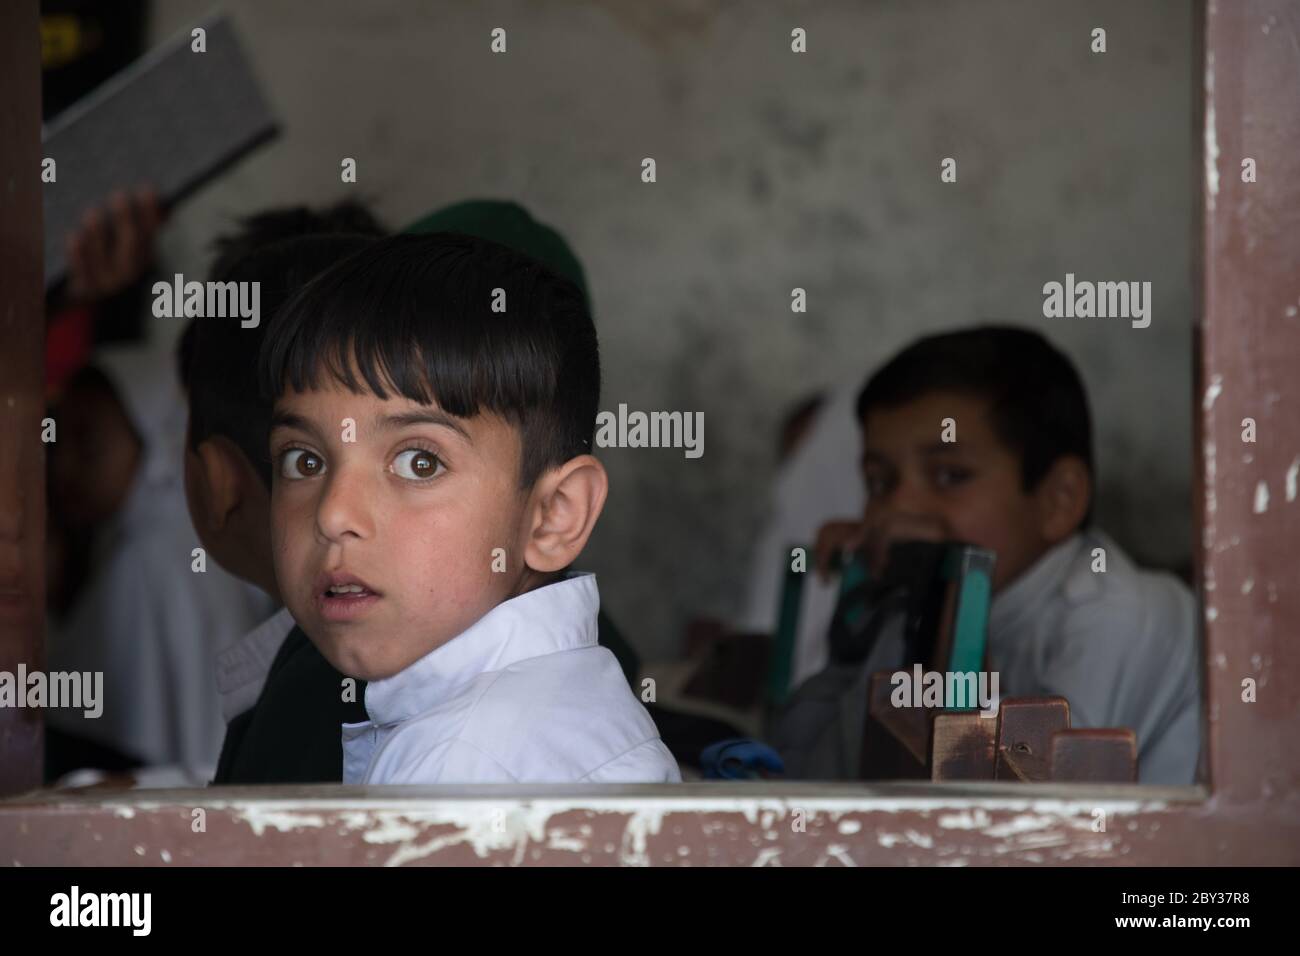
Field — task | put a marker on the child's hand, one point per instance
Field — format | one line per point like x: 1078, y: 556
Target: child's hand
x: 874, y: 536
x: 881, y: 533
x: 113, y: 246
x: 836, y: 538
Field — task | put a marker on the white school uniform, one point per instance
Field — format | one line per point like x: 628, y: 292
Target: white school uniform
x: 1119, y: 645
x: 524, y: 695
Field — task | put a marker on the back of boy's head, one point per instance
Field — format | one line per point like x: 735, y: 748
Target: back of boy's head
x: 414, y: 316
x: 218, y: 357
x: 270, y: 226
x: 1037, y: 402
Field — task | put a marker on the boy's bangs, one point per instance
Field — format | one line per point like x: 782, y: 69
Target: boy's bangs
x: 466, y: 360
x: 455, y: 321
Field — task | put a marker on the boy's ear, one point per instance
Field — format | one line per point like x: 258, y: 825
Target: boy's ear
x: 567, y: 500
x: 1063, y: 497
x: 221, y: 476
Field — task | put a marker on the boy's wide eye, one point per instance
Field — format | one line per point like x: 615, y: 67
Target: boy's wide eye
x: 948, y: 477
x: 416, y: 464
x: 297, y: 463
x: 877, y: 484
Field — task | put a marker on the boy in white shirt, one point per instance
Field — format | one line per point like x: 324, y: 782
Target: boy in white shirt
x: 436, y: 400
x: 984, y: 436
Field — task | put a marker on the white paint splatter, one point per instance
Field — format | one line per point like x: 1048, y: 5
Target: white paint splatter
x: 1292, y: 474
x: 921, y: 839
x: 975, y: 819
x: 836, y: 851
x: 489, y: 824
x: 908, y: 837
x: 1025, y: 823
x: 768, y: 856
x: 1211, y: 499
x: 1248, y: 585
x: 1211, y: 136
x: 1213, y: 392
x: 390, y: 829
x: 1261, y: 498
x: 262, y: 819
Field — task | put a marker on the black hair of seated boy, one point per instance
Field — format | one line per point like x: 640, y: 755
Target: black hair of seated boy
x: 1036, y: 397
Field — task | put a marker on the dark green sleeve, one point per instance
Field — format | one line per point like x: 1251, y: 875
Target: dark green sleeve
x: 609, y: 636
x: 292, y: 734
x: 231, y: 746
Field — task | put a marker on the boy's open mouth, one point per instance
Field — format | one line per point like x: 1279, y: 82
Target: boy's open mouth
x: 343, y: 597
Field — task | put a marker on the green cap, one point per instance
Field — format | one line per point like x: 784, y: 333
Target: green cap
x: 509, y: 224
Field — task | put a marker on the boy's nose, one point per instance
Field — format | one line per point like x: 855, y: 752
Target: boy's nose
x: 911, y: 498
x: 342, y: 510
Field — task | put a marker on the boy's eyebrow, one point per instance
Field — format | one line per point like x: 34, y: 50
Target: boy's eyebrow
x: 870, y: 457
x: 423, y: 417
x: 282, y: 419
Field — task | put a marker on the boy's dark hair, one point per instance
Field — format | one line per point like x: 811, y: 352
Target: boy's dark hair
x: 1037, y: 401
x: 414, y: 315
x: 261, y: 229
x: 218, y: 356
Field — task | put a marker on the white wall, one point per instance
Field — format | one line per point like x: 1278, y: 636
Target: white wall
x: 775, y: 170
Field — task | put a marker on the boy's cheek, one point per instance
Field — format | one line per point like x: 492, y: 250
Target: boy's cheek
x: 1001, y: 533
x: 978, y: 515
x: 980, y: 531
x: 287, y: 563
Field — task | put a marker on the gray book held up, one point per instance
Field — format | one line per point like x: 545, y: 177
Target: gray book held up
x: 173, y: 119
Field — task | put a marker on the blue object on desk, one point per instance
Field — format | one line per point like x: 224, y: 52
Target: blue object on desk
x: 740, y: 758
